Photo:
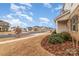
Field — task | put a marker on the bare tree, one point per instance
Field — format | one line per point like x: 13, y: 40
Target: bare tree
x: 18, y: 31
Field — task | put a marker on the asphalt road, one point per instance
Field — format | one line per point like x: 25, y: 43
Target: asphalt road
x: 14, y: 35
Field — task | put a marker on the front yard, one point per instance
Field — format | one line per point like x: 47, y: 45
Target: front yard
x: 6, y: 39
x: 26, y: 47
x: 60, y: 44
x: 56, y: 49
x: 7, y: 32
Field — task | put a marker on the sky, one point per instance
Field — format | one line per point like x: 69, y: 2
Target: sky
x: 30, y: 14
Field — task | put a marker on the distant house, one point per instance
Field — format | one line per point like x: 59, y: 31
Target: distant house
x: 40, y: 28
x: 24, y: 29
x: 4, y: 26
x: 29, y: 28
x: 36, y: 28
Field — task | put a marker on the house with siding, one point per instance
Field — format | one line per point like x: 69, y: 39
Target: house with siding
x: 68, y: 20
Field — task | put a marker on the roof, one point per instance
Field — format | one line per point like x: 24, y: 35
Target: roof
x: 65, y: 14
x: 3, y: 22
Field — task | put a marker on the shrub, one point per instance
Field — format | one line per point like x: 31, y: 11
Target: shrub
x: 55, y: 38
x: 59, y: 37
x: 54, y: 32
x: 66, y: 36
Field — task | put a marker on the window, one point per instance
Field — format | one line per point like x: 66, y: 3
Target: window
x: 74, y: 23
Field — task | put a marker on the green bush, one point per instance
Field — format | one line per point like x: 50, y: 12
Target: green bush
x: 54, y: 32
x: 55, y: 38
x: 59, y: 37
x: 66, y: 36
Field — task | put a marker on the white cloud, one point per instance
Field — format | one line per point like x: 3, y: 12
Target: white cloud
x: 16, y: 8
x: 29, y: 18
x: 48, y: 5
x: 15, y: 22
x: 22, y: 7
x: 9, y: 16
x: 31, y: 13
x: 19, y: 12
x: 44, y: 20
x: 27, y: 4
x: 58, y: 7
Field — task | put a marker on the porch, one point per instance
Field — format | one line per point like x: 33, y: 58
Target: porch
x: 62, y: 26
x: 62, y: 22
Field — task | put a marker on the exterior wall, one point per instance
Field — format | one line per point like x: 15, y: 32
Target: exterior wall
x: 73, y: 7
x: 70, y: 6
x: 4, y: 26
x: 62, y: 26
x: 74, y: 10
x: 67, y: 6
x: 74, y: 33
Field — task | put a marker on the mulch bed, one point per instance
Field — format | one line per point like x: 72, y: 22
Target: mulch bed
x: 57, y: 49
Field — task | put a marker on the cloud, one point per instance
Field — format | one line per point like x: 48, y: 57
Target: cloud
x: 31, y: 13
x: 44, y: 20
x: 9, y: 16
x: 15, y: 22
x: 16, y: 8
x: 48, y: 5
x: 58, y: 7
x: 28, y: 5
x: 22, y: 7
x: 29, y: 18
x: 20, y: 11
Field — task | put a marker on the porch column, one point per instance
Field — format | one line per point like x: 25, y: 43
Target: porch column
x: 57, y: 27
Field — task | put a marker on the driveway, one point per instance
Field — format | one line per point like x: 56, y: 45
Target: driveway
x: 30, y: 46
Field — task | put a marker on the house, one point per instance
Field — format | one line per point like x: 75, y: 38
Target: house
x: 36, y: 28
x: 24, y: 29
x: 68, y: 20
x: 29, y: 29
x: 12, y: 29
x: 4, y: 26
x: 41, y: 28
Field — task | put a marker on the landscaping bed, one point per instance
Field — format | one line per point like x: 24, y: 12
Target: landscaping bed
x: 60, y: 49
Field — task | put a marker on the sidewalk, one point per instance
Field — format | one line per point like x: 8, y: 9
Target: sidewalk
x: 18, y: 39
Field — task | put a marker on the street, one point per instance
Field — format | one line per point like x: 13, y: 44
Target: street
x: 14, y: 35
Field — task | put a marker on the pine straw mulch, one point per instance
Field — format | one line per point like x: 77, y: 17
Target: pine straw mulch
x: 64, y: 49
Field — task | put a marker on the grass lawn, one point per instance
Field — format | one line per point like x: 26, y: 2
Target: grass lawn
x: 7, y: 32
x: 6, y: 39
